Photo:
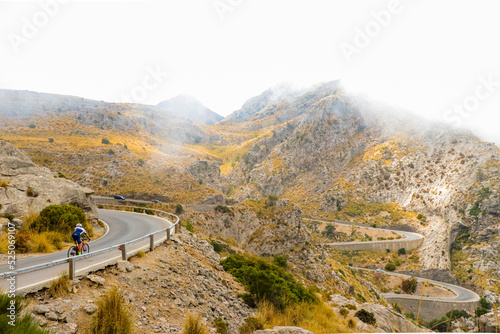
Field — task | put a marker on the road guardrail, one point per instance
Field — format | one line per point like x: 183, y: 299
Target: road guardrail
x: 123, y: 246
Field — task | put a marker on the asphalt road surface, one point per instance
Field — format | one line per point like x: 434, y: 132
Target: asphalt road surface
x: 123, y: 227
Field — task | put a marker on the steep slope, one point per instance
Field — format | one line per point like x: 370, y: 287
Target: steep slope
x: 26, y: 187
x: 132, y: 149
x: 189, y: 108
x: 337, y: 155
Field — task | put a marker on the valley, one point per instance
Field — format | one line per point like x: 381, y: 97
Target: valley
x: 269, y: 179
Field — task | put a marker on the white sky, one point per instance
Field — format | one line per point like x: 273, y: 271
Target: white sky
x: 428, y: 58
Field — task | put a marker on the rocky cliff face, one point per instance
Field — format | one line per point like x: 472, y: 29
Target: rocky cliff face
x: 325, y: 149
x: 26, y: 187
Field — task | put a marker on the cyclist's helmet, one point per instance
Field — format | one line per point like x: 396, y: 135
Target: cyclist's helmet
x: 78, y: 225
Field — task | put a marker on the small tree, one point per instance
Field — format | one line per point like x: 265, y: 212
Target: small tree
x: 179, y: 209
x: 390, y: 267
x: 401, y: 251
x: 329, y: 231
x: 105, y: 141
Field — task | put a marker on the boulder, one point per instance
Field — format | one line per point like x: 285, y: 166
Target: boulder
x: 488, y: 323
x: 96, y: 279
x: 90, y: 308
x: 30, y: 188
x: 41, y: 309
x: 124, y: 266
x: 51, y: 316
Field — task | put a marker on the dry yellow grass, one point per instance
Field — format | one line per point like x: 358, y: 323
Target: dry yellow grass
x: 317, y: 318
x: 60, y: 286
x: 193, y: 325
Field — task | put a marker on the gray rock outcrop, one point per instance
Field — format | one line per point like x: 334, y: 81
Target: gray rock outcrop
x: 28, y: 188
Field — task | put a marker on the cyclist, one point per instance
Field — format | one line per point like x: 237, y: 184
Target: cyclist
x: 77, y: 237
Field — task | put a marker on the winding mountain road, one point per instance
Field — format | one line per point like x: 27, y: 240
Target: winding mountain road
x: 462, y: 295
x: 122, y: 227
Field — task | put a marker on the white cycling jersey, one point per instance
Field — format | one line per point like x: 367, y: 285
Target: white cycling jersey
x: 80, y: 230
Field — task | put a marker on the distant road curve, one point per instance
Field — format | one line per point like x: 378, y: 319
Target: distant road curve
x: 461, y: 294
x: 411, y: 240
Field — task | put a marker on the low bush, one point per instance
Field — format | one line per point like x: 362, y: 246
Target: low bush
x: 222, y: 209
x: 485, y: 304
x: 217, y: 247
x: 250, y: 325
x: 179, y: 209
x: 189, y: 227
x: 60, y: 218
x: 280, y: 261
x: 112, y: 316
x: 344, y: 312
x: 402, y: 251
x: 221, y: 326
x: 366, y: 317
x: 193, y: 325
x: 480, y: 311
x: 390, y: 267
x: 266, y: 282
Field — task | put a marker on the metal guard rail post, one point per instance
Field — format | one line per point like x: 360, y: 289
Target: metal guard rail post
x: 72, y: 261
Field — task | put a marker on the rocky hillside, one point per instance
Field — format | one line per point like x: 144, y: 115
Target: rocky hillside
x: 332, y: 153
x: 129, y: 149
x: 188, y: 107
x: 26, y: 188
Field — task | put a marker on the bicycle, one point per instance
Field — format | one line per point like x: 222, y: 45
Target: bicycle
x: 85, y: 248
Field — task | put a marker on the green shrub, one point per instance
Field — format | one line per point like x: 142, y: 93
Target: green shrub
x: 223, y: 209
x: 150, y: 212
x: 401, y: 251
x: 221, y: 326
x: 32, y: 126
x: 439, y: 324
x: 271, y: 200
x: 485, y: 304
x: 217, y: 247
x: 60, y: 218
x: 179, y: 209
x: 344, y: 312
x: 112, y: 316
x: 280, y: 261
x: 390, y: 267
x: 366, y: 317
x: 51, y: 140
x: 266, y: 281
x: 410, y: 316
x: 480, y: 311
x: 397, y: 262
x: 329, y: 231
x: 251, y: 325
x: 189, y: 227
x: 105, y: 141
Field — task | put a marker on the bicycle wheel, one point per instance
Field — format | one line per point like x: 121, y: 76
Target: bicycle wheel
x: 71, y: 251
x: 85, y: 248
